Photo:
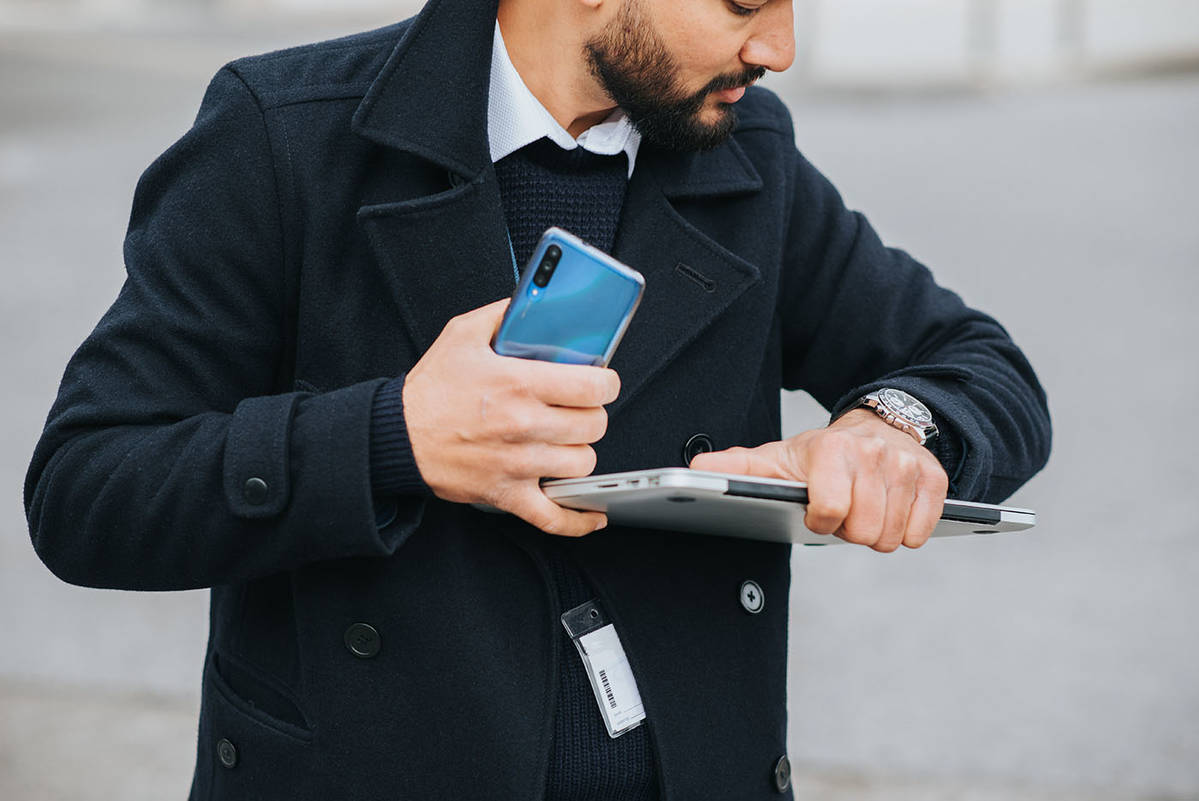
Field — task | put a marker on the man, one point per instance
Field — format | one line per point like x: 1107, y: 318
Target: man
x: 293, y: 401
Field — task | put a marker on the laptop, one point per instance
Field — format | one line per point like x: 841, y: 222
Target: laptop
x: 724, y: 504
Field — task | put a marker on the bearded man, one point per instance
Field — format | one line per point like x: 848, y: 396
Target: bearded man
x: 293, y: 402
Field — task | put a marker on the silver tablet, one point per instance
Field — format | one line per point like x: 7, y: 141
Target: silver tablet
x: 680, y: 499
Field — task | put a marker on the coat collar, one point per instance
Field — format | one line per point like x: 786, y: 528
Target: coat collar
x: 430, y: 98
x: 425, y: 104
x: 434, y: 105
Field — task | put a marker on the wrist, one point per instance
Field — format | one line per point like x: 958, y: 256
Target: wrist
x: 857, y: 416
x: 899, y: 410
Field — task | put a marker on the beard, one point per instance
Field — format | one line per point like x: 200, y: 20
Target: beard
x: 634, y: 67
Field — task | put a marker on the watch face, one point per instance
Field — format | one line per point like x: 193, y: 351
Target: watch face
x: 905, y: 406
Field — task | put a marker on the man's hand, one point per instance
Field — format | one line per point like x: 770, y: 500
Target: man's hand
x: 868, y: 482
x: 485, y: 428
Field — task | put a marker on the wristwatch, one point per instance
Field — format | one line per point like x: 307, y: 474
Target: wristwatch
x: 900, y: 410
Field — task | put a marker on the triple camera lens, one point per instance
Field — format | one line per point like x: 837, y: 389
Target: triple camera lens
x: 548, y: 263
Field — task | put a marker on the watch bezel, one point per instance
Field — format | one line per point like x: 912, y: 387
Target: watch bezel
x: 920, y: 431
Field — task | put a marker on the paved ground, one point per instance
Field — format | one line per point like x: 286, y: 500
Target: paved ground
x: 1060, y: 665
x: 51, y: 749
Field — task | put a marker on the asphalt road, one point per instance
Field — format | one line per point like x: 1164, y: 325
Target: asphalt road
x: 1058, y: 665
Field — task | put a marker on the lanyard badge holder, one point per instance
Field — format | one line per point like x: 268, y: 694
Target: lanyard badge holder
x: 607, y: 667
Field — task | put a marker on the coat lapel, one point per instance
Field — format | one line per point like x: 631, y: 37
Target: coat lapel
x: 442, y: 254
x: 430, y: 98
x: 447, y: 252
x: 690, y: 279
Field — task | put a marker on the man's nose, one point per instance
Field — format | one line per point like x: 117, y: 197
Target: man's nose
x: 772, y: 44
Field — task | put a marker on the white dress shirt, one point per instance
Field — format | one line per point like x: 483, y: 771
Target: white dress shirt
x: 515, y: 117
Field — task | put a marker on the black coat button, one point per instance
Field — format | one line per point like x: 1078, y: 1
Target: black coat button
x: 699, y: 443
x: 752, y: 597
x: 255, y: 491
x: 782, y: 774
x: 226, y: 752
x: 363, y: 640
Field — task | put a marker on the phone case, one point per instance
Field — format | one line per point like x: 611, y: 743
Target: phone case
x: 580, y: 315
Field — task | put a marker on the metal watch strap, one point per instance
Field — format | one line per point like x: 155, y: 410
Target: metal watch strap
x: 918, y: 430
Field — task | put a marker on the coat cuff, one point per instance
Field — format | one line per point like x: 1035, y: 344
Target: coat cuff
x: 393, y: 467
x: 933, y: 386
x: 257, y: 462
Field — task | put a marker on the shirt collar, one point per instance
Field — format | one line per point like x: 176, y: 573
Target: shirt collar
x: 515, y: 117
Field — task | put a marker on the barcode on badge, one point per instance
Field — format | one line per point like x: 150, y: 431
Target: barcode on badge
x: 607, y: 688
x: 608, y: 671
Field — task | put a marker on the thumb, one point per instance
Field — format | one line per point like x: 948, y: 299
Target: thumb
x: 765, y: 461
x: 485, y: 319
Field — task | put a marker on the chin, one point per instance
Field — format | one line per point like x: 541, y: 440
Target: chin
x: 714, y: 115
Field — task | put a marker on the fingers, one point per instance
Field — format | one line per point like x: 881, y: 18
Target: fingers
x: 522, y: 420
x: 562, y: 426
x: 575, y: 385
x: 899, y: 478
x: 884, y: 502
x: 481, y: 322
x: 766, y: 461
x: 830, y: 490
x: 870, y: 485
x: 531, y: 505
x: 538, y: 460
x: 927, y: 507
x: 867, y: 513
x: 485, y: 428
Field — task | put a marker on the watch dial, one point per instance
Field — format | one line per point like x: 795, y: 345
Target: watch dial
x: 905, y: 406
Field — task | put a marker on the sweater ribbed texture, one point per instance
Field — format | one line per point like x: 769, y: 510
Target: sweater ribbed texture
x: 543, y: 185
x: 587, y: 764
x: 393, y: 468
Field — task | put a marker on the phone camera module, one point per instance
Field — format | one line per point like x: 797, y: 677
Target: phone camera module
x: 545, y: 270
x: 543, y: 274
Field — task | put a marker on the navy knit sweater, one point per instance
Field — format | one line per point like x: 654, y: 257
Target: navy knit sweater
x: 543, y: 185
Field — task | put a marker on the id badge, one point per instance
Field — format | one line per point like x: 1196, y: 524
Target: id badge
x: 607, y: 667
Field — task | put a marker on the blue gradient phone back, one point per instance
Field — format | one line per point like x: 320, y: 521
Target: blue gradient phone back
x: 580, y: 315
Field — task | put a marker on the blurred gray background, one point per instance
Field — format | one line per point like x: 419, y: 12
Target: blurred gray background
x: 1042, y: 156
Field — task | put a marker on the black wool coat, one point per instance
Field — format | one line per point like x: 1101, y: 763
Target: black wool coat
x: 332, y: 207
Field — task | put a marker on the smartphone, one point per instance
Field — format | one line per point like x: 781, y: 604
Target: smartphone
x: 572, y: 304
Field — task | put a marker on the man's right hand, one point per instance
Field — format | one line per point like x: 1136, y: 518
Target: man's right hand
x: 486, y: 428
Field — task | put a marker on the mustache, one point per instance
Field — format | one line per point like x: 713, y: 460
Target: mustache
x: 734, y: 81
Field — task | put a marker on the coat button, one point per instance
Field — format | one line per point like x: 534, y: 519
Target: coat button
x: 363, y: 640
x: 752, y: 597
x: 782, y: 774
x: 699, y: 443
x: 226, y: 752
x: 255, y: 491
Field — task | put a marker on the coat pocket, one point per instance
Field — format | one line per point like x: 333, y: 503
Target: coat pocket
x: 252, y: 745
x: 257, y: 697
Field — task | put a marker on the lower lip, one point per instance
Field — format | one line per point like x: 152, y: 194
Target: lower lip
x: 730, y: 95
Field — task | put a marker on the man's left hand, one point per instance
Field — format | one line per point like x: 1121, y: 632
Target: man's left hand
x: 868, y: 482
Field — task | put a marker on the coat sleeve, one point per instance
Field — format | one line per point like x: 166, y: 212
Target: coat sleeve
x: 166, y: 461
x: 857, y: 316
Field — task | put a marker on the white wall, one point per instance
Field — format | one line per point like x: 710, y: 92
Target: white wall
x: 842, y: 42
x: 874, y: 42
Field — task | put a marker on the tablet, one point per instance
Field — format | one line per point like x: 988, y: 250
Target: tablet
x: 724, y: 504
